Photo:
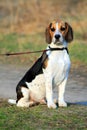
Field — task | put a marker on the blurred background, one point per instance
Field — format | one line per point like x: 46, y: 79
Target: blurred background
x: 23, y: 23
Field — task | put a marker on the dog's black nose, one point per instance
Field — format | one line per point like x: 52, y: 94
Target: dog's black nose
x: 57, y: 36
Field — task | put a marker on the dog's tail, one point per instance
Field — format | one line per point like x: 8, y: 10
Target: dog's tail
x: 11, y: 101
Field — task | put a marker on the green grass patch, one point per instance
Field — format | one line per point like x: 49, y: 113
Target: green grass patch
x: 21, y: 43
x: 40, y: 117
x: 78, y: 52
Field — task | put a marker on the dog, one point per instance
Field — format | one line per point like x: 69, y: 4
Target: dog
x: 49, y: 71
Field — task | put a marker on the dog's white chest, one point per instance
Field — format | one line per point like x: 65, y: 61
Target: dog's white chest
x: 57, y: 69
x: 58, y: 66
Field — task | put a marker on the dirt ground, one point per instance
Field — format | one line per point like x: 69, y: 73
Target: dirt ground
x: 76, y: 89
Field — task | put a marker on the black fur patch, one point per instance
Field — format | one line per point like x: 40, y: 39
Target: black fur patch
x: 35, y: 70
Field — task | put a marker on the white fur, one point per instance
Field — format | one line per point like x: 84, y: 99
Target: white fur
x: 24, y: 101
x: 11, y: 101
x: 57, y: 32
x: 37, y: 88
x: 55, y: 74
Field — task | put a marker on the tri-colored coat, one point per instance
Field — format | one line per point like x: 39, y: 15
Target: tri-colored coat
x: 49, y: 71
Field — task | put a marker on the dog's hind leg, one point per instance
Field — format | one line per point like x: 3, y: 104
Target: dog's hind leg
x: 24, y: 100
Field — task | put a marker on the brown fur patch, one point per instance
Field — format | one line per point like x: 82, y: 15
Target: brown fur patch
x: 45, y: 63
x: 66, y: 31
x: 63, y: 27
x: 49, y: 33
x: 53, y: 26
x: 69, y: 33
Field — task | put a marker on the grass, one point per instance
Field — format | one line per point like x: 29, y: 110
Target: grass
x: 21, y: 43
x: 40, y: 117
x: 28, y: 19
x: 78, y: 52
x: 17, y: 42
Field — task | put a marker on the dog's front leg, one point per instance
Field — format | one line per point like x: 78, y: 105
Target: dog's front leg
x: 61, y: 87
x: 49, y: 94
x: 49, y: 91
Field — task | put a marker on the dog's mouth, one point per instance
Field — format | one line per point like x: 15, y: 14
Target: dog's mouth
x: 57, y: 42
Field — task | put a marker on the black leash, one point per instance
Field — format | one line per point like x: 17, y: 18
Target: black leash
x: 21, y: 53
x: 29, y: 52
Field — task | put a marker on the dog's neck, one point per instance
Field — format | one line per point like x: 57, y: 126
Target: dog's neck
x: 58, y: 45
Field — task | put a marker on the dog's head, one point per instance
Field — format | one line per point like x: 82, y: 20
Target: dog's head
x: 59, y: 32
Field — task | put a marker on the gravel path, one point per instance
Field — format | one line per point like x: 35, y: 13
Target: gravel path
x: 76, y: 89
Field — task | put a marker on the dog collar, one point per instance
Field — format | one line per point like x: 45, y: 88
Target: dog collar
x: 59, y: 49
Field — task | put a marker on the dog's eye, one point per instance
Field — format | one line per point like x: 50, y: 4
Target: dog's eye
x: 62, y: 28
x: 52, y: 29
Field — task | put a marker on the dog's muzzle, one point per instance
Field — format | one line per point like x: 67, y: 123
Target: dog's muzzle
x: 58, y: 39
x: 57, y: 36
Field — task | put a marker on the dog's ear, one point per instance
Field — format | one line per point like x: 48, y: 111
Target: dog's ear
x: 47, y: 34
x: 69, y: 33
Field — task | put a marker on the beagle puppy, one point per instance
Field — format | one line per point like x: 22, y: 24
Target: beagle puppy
x: 49, y: 71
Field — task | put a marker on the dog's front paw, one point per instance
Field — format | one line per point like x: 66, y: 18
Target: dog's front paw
x: 62, y: 104
x: 52, y: 105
